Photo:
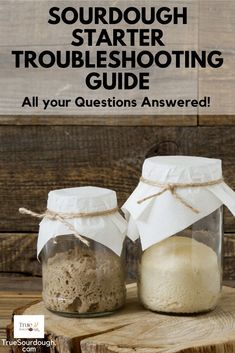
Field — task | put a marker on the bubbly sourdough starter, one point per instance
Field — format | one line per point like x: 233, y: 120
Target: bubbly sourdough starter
x: 83, y: 281
x: 179, y: 275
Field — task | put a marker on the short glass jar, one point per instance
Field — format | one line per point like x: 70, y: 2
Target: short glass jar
x: 183, y: 273
x: 82, y: 280
x: 80, y: 245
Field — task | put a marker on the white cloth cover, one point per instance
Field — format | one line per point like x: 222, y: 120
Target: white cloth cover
x: 109, y: 230
x: 161, y: 217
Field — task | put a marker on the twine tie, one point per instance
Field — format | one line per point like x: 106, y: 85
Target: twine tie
x: 172, y: 188
x: 62, y: 217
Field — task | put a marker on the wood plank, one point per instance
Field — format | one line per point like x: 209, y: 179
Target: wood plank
x: 114, y: 120
x: 229, y: 283
x: 20, y: 291
x: 216, y: 32
x: 229, y: 268
x: 216, y: 120
x: 229, y: 245
x: 13, y: 302
x: 20, y: 285
x: 229, y: 257
x: 22, y: 295
x: 18, y: 254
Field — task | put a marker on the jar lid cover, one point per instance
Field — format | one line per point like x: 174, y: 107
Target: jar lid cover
x: 81, y: 199
x: 183, y: 169
x: 87, y: 206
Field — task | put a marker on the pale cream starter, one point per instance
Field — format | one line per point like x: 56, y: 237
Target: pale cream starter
x: 179, y: 275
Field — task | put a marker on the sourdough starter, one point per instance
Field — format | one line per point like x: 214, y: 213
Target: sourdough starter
x: 179, y: 275
x: 81, y: 280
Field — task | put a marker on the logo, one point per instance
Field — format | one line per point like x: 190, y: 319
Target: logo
x: 28, y: 326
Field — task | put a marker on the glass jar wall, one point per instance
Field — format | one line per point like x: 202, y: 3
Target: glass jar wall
x: 183, y: 273
x: 81, y: 280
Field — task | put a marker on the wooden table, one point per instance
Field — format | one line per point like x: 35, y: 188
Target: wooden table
x: 133, y: 325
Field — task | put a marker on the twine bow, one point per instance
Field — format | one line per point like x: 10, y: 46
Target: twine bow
x: 172, y: 187
x: 62, y: 217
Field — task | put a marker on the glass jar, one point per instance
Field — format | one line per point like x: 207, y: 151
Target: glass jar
x: 80, y: 245
x: 176, y: 212
x: 183, y: 273
x: 82, y: 280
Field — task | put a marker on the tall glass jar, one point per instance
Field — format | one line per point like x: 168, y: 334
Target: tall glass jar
x: 82, y: 280
x: 176, y: 213
x: 80, y: 245
x: 183, y: 273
